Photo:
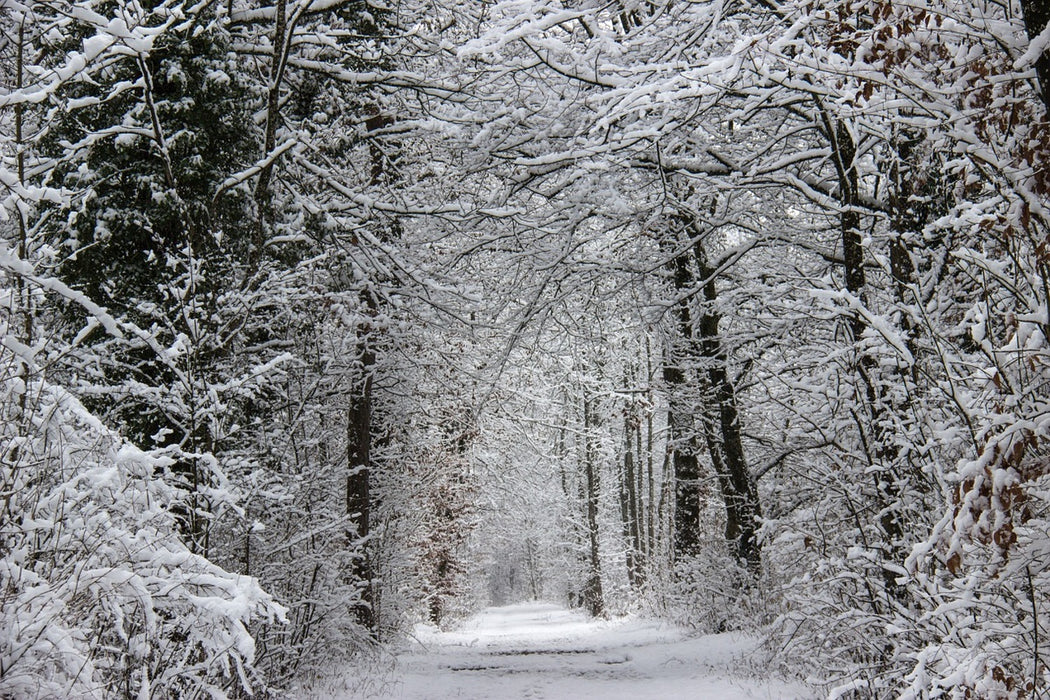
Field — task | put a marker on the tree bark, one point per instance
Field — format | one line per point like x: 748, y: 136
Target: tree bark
x: 358, y: 487
x: 593, y: 595
x: 681, y: 428
x: 629, y: 513
x: 743, y: 511
x: 25, y: 297
x: 722, y: 431
x: 262, y: 194
x: 844, y: 149
x: 360, y: 412
x: 638, y: 516
x: 653, y: 519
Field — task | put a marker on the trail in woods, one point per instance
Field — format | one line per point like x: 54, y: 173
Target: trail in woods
x: 541, y: 651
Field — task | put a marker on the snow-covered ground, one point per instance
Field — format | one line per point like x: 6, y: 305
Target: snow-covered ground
x: 541, y: 651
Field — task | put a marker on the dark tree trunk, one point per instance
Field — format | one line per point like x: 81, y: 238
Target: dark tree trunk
x: 1036, y: 17
x: 686, y: 467
x: 743, y: 511
x: 359, y: 428
x: 532, y: 569
x: 886, y: 450
x: 652, y: 520
x: 682, y: 433
x: 629, y: 513
x: 262, y: 194
x: 437, y: 608
x: 358, y: 487
x: 637, y: 509
x: 643, y: 460
x: 721, y: 429
x: 593, y: 595
x: 718, y: 465
x: 625, y: 512
x: 25, y: 296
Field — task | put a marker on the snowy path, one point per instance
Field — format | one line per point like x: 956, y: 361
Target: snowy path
x: 541, y: 651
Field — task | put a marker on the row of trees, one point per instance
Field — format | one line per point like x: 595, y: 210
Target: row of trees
x: 210, y: 337
x: 829, y: 219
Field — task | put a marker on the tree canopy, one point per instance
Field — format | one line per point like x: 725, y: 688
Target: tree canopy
x: 322, y: 318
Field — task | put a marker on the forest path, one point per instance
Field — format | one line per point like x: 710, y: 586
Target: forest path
x: 541, y: 651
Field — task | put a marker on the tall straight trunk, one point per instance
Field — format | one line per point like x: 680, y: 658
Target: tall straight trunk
x: 625, y: 508
x: 360, y: 414
x: 629, y: 503
x: 743, y: 511
x: 686, y: 468
x: 359, y: 489
x: 665, y: 516
x: 23, y: 234
x: 653, y: 517
x: 721, y: 429
x: 25, y: 297
x: 912, y: 207
x: 638, y: 516
x: 886, y: 451
x: 681, y: 428
x: 262, y: 194
x: 593, y: 595
x: 532, y: 568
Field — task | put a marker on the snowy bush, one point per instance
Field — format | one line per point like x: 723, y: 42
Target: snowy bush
x: 712, y: 593
x: 98, y: 595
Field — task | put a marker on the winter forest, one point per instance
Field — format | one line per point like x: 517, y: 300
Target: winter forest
x: 320, y: 319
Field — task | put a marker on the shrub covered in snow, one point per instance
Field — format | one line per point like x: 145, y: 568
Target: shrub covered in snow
x: 98, y: 595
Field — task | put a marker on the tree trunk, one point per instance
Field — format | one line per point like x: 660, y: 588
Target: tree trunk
x: 886, y: 450
x: 722, y: 432
x: 25, y: 296
x: 743, y: 511
x: 681, y: 428
x: 262, y: 194
x: 358, y: 487
x: 625, y: 507
x: 653, y: 518
x: 637, y: 504
x: 593, y: 596
x: 532, y: 569
x: 359, y: 428
x: 629, y: 502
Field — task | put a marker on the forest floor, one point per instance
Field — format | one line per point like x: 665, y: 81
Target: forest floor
x: 541, y: 651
